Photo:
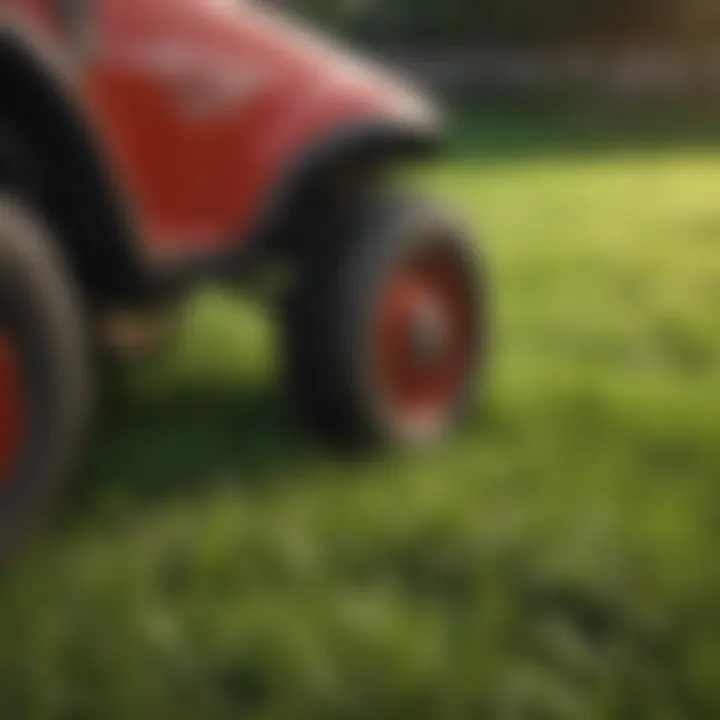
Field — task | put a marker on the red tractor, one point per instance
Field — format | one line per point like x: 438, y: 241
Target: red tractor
x: 146, y: 145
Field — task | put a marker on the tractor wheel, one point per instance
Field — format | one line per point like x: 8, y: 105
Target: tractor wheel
x: 44, y: 372
x: 385, y: 328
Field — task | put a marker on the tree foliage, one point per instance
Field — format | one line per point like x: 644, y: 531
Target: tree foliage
x: 508, y: 22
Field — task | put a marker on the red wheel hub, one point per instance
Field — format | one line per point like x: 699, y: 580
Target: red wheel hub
x: 426, y: 344
x: 12, y: 408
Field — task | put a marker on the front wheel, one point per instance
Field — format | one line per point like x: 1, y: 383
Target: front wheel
x: 385, y: 329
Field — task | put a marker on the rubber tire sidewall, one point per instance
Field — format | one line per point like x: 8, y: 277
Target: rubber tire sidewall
x: 44, y: 312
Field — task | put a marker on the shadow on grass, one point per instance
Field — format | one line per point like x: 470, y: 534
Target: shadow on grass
x: 189, y: 442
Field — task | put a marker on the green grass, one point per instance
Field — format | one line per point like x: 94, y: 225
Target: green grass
x: 557, y: 561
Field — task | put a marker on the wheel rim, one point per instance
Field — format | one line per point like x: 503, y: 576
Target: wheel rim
x: 426, y: 337
x: 12, y: 408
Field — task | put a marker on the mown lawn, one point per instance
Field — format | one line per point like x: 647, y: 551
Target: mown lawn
x: 557, y: 561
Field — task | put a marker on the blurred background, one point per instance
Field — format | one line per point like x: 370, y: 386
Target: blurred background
x: 634, y: 49
x: 558, y: 560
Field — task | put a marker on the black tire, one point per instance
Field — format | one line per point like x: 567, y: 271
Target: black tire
x: 42, y: 319
x: 329, y: 316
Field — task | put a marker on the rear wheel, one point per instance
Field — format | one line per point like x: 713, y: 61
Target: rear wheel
x: 44, y: 372
x: 385, y: 328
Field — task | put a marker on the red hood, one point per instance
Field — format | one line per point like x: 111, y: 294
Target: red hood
x: 204, y: 105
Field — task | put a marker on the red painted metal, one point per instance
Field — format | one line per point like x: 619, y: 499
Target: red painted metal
x: 12, y: 408
x: 430, y: 288
x: 202, y: 104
